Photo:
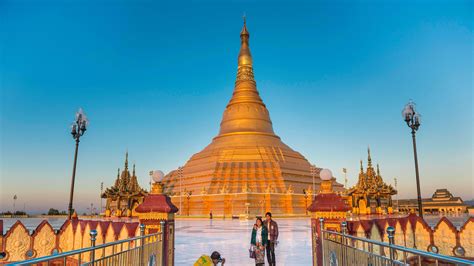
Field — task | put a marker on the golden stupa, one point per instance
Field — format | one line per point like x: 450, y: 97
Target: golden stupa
x: 246, y: 169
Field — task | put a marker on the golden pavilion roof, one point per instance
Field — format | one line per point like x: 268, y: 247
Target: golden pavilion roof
x: 371, y: 182
x: 125, y: 185
x: 246, y: 155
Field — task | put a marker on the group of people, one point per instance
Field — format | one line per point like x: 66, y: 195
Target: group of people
x: 264, y: 238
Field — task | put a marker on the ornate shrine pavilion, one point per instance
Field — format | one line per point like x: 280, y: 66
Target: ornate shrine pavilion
x: 125, y: 195
x: 371, y: 194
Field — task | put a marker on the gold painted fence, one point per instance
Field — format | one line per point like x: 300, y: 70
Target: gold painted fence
x: 19, y: 244
x: 139, y: 250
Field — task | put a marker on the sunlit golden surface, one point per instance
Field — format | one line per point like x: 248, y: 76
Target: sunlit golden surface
x: 246, y: 168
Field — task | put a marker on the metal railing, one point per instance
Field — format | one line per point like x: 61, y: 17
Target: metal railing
x: 344, y: 249
x: 140, y: 250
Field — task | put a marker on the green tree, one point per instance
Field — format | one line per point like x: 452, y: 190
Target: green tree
x: 53, y: 212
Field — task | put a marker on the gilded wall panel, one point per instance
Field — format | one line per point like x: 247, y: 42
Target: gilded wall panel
x: 422, y: 236
x: 399, y: 235
x: 66, y: 239
x: 86, y: 242
x: 409, y: 236
x: 44, y: 240
x: 444, y: 238
x: 466, y: 238
x: 109, y: 237
x: 360, y: 233
x: 99, y: 241
x: 78, y: 238
x: 375, y: 235
x: 123, y: 235
x: 17, y: 242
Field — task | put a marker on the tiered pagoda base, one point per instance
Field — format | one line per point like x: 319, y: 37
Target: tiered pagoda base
x: 242, y: 204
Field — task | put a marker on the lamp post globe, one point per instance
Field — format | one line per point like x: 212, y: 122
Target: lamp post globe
x: 413, y: 120
x: 325, y: 174
x: 78, y: 128
x: 157, y: 176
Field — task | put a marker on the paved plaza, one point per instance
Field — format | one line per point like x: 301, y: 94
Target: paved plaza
x: 232, y: 239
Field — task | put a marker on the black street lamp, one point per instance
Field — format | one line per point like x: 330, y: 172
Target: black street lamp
x: 412, y: 118
x: 305, y: 201
x: 78, y: 129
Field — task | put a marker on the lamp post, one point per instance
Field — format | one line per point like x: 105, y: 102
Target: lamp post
x: 180, y: 176
x: 78, y: 129
x: 101, y: 191
x: 188, y: 196
x: 396, y: 188
x: 313, y: 174
x: 305, y: 201
x: 412, y: 118
x: 14, y: 203
x: 344, y: 170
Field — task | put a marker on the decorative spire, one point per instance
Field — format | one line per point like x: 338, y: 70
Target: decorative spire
x: 133, y: 173
x: 126, y: 161
x: 245, y: 113
x: 117, y: 181
x: 378, y: 170
x: 245, y: 71
x: 361, y: 167
x: 244, y: 28
x: 369, y: 159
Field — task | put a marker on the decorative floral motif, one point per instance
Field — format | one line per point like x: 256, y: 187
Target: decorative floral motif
x: 17, y: 242
x: 44, y: 240
x: 245, y: 73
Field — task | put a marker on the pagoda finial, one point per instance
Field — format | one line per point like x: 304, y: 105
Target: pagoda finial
x: 369, y: 159
x: 133, y: 170
x: 361, y: 167
x: 245, y: 58
x: 126, y: 161
x: 117, y: 181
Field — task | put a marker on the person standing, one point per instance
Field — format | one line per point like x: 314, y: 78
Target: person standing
x: 259, y: 241
x: 272, y: 227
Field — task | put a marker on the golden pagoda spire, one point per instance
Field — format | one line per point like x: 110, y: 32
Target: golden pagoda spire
x: 133, y: 172
x: 245, y: 113
x: 245, y: 58
x: 361, y: 167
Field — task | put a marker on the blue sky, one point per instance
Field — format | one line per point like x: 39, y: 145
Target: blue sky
x: 154, y: 78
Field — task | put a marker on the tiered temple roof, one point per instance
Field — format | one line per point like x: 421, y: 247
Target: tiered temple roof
x: 126, y: 184
x: 371, y: 181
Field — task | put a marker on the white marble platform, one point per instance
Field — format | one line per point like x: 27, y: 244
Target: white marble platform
x: 231, y: 238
